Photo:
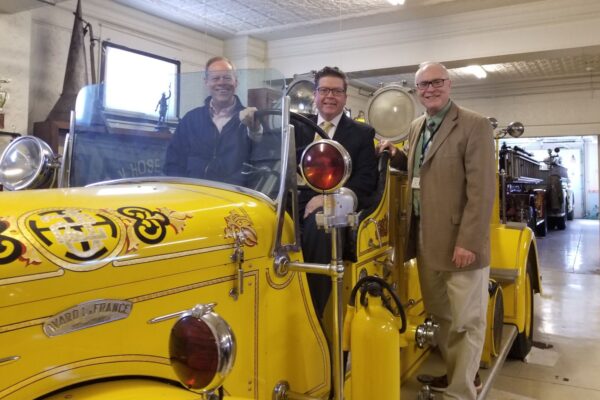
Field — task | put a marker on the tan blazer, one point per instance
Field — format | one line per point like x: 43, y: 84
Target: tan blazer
x: 457, y: 181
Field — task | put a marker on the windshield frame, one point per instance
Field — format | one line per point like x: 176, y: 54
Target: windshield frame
x: 266, y: 187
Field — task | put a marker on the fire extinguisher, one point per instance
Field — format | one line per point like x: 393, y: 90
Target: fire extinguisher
x: 372, y: 335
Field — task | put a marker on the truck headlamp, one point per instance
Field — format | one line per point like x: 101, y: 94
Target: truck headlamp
x: 202, y: 349
x: 27, y: 163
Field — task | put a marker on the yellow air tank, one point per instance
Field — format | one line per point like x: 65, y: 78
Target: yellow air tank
x: 375, y: 348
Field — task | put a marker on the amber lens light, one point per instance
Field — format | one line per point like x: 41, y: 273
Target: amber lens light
x: 323, y: 166
x: 194, y: 352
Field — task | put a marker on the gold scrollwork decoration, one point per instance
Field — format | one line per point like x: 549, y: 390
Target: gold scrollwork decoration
x: 383, y: 225
x: 148, y: 226
x: 12, y: 244
x: 239, y: 225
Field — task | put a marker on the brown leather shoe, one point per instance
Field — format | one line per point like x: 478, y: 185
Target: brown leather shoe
x: 478, y: 383
x: 436, y: 383
x: 440, y: 383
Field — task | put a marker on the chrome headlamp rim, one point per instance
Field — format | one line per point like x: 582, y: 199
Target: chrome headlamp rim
x: 383, y: 133
x: 224, y: 339
x: 44, y: 166
x: 299, y: 81
x: 345, y: 158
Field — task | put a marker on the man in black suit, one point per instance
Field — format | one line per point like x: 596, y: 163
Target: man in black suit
x: 357, y: 138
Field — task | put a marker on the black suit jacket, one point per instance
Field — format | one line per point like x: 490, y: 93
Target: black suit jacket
x: 358, y: 139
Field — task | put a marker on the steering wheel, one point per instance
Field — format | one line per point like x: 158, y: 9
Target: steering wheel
x: 295, y: 117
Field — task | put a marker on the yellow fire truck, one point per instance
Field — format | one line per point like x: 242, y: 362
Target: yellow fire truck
x: 118, y: 282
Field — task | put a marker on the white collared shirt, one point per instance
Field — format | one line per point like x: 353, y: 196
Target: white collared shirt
x: 335, y: 121
x: 222, y: 116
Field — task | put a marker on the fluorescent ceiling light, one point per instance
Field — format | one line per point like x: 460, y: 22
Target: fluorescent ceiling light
x: 492, y: 67
x: 476, y: 70
x: 396, y: 2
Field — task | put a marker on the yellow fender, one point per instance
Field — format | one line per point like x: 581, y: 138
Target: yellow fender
x: 514, y: 261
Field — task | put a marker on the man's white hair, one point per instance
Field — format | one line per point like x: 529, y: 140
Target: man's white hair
x: 425, y: 64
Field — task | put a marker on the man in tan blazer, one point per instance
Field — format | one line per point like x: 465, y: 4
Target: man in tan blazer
x: 451, y: 170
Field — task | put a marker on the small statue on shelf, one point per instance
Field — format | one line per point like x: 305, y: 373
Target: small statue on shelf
x: 162, y: 106
x: 3, y: 94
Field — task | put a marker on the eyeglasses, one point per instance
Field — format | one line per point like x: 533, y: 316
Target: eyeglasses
x: 337, y: 92
x: 436, y: 83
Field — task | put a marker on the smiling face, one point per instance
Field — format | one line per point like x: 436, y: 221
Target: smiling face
x: 330, y: 104
x: 221, y: 82
x: 433, y: 99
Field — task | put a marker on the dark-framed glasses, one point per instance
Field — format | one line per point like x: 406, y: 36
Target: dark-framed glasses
x: 436, y: 83
x: 337, y: 92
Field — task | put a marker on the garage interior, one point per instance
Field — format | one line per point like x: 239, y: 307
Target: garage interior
x: 540, y: 58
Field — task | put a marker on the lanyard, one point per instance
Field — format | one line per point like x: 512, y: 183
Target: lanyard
x: 426, y: 144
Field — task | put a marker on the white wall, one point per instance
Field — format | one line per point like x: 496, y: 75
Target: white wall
x: 15, y: 51
x: 34, y: 47
x: 523, y: 28
x: 566, y: 107
x: 550, y: 114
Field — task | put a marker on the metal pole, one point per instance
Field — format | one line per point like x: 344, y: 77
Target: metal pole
x: 336, y: 290
x: 503, y: 195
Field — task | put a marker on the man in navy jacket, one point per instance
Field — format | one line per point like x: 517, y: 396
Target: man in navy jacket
x: 211, y: 142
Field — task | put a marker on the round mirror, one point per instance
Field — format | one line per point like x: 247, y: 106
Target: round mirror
x: 493, y: 122
x: 26, y: 163
x: 515, y: 129
x: 301, y: 92
x: 390, y: 111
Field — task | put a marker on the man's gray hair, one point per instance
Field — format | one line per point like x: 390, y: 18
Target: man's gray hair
x: 428, y: 63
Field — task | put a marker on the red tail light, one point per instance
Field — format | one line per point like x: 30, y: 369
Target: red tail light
x: 202, y: 349
x: 325, y: 165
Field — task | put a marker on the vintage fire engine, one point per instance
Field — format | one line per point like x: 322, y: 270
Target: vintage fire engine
x: 536, y: 193
x: 120, y: 282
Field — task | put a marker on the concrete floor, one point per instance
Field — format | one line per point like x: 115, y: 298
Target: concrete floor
x: 567, y: 320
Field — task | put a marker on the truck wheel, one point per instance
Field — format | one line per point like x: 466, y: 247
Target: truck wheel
x: 541, y: 229
x: 531, y: 219
x: 561, y: 222
x: 522, y: 344
x: 571, y: 203
x: 495, y: 320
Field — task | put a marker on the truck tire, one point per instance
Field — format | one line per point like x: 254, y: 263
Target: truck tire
x: 524, y: 340
x: 541, y: 229
x: 571, y: 214
x: 531, y: 219
x: 561, y: 222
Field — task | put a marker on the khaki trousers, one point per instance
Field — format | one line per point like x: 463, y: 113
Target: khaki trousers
x: 458, y: 301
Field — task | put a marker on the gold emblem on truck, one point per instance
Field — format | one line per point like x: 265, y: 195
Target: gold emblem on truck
x: 81, y: 239
x: 77, y: 239
x: 239, y: 225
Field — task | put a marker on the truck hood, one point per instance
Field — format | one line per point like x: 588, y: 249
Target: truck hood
x: 83, y: 239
